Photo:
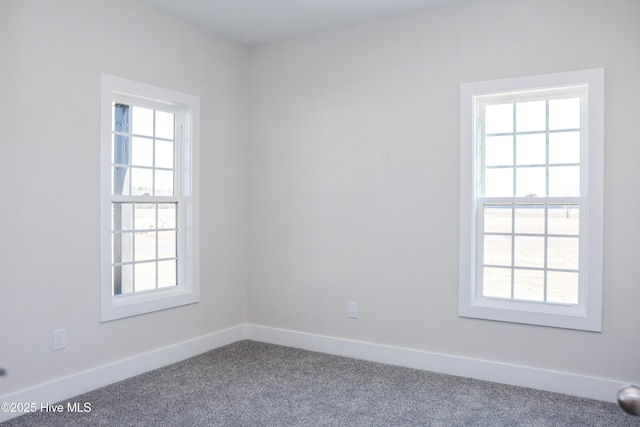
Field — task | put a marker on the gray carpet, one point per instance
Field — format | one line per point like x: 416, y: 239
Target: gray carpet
x: 255, y: 384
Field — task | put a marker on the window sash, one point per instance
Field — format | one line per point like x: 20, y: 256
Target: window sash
x: 511, y: 204
x: 133, y: 252
x: 516, y: 98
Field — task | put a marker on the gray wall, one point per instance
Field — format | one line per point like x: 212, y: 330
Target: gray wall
x: 354, y: 177
x: 52, y: 54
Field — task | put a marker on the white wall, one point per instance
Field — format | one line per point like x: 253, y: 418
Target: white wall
x: 354, y: 177
x: 51, y: 56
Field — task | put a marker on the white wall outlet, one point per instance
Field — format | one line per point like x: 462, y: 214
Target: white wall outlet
x: 352, y: 313
x: 59, y: 339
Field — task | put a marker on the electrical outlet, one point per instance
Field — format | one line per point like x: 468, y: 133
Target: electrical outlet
x: 353, y: 310
x: 59, y: 339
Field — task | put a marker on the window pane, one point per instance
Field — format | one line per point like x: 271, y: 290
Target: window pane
x: 120, y: 144
x: 166, y: 244
x: 499, y: 182
x: 531, y: 116
x: 562, y: 287
x: 121, y: 216
x: 564, y: 113
x: 120, y: 149
x: 122, y: 279
x: 145, y: 246
x: 531, y: 181
x: 141, y: 151
x: 142, y: 121
x: 164, y: 125
x: 164, y: 154
x: 145, y: 276
x: 564, y: 181
x: 167, y: 274
x: 145, y: 216
x: 167, y: 215
x: 164, y: 183
x: 531, y: 149
x: 497, y: 250
x: 121, y: 248
x: 498, y: 118
x: 113, y: 115
x: 498, y: 150
x: 564, y: 219
x: 496, y: 282
x: 528, y: 285
x: 120, y: 120
x: 141, y: 181
x: 529, y: 251
x: 564, y: 147
x: 529, y: 219
x: 127, y: 279
x: 563, y: 252
x: 120, y: 184
x: 497, y: 218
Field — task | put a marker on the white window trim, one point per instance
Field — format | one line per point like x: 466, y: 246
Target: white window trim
x: 588, y: 315
x: 188, y: 289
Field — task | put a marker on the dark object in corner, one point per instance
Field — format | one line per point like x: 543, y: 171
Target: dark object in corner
x: 629, y: 399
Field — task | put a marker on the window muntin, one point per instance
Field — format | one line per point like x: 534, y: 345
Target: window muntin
x: 531, y: 199
x: 149, y: 198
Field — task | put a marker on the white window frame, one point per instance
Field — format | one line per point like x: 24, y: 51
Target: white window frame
x: 187, y: 291
x: 587, y: 314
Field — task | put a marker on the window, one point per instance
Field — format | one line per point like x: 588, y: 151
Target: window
x: 531, y: 199
x: 148, y: 198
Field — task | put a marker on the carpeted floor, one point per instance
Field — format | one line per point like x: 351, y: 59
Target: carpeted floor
x: 255, y: 384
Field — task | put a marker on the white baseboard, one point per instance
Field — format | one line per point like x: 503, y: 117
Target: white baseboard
x: 541, y: 379
x: 85, y: 381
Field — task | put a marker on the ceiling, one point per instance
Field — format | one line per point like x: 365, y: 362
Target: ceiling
x: 254, y: 22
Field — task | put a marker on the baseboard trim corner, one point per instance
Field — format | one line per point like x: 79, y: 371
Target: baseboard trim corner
x: 559, y: 382
x: 82, y: 382
x: 523, y: 376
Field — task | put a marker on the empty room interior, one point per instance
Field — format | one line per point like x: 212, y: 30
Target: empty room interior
x: 359, y: 179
